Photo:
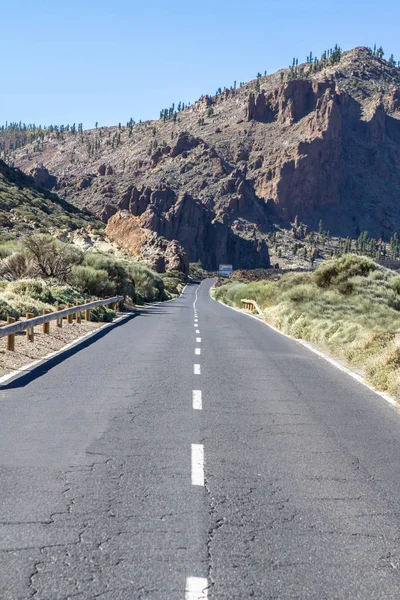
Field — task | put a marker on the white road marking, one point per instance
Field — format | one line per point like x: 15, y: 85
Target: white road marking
x: 196, y: 588
x: 197, y: 330
x: 29, y: 367
x: 197, y: 351
x: 196, y: 369
x: 197, y: 400
x: 195, y: 299
x: 198, y: 340
x: 196, y: 324
x: 197, y: 464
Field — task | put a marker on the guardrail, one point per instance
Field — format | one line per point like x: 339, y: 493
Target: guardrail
x: 68, y: 313
x: 251, y: 305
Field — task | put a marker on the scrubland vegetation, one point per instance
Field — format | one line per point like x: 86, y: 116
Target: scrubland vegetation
x: 349, y: 305
x: 38, y: 272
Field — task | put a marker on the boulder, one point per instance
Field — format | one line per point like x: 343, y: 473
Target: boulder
x: 42, y: 177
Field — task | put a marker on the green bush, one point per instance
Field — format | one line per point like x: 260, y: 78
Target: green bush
x: 196, y: 271
x: 149, y: 285
x: 102, y: 314
x: 16, y: 266
x: 350, y: 305
x: 35, y: 288
x: 65, y: 294
x: 23, y: 304
x: 51, y: 258
x: 118, y: 280
x: 92, y: 281
x: 299, y: 293
x: 6, y: 310
x: 173, y: 285
x: 8, y: 248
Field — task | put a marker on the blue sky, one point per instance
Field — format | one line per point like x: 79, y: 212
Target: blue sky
x: 108, y: 61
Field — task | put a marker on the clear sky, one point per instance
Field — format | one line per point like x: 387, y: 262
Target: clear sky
x: 67, y: 61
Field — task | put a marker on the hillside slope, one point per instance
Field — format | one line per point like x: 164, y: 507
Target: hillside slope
x: 25, y: 208
x: 316, y: 141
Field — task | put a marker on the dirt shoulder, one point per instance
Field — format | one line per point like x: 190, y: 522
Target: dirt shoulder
x: 27, y: 352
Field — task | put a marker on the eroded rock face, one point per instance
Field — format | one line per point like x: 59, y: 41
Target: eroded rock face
x: 42, y: 177
x: 204, y: 234
x: 229, y: 168
x: 392, y: 100
x: 184, y: 143
x: 288, y: 104
x: 160, y: 254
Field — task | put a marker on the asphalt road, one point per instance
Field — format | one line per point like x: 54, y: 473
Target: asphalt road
x: 128, y: 472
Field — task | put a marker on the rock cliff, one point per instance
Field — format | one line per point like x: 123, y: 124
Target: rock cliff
x: 160, y: 254
x: 221, y: 174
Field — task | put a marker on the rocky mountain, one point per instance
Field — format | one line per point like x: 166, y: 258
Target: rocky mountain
x: 319, y: 140
x: 25, y: 207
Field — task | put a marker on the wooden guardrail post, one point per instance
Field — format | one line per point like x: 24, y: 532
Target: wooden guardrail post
x: 11, y: 338
x: 30, y: 335
x: 46, y: 326
x: 69, y: 317
x: 78, y: 314
x: 12, y: 327
x: 59, y: 321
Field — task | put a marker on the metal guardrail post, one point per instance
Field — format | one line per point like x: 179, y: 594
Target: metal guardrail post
x: 251, y: 305
x: 59, y: 320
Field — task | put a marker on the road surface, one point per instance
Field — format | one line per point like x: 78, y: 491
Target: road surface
x: 194, y: 453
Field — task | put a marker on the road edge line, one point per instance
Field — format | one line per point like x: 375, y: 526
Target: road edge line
x: 326, y: 357
x: 29, y: 367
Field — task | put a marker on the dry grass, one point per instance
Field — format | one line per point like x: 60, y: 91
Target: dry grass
x: 350, y: 306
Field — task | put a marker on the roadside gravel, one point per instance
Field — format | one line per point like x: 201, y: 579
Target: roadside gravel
x: 28, y: 352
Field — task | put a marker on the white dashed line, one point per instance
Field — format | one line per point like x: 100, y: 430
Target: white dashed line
x: 198, y: 340
x: 197, y: 330
x: 197, y: 464
x: 195, y: 299
x: 196, y: 588
x: 196, y: 369
x: 197, y: 351
x: 197, y: 400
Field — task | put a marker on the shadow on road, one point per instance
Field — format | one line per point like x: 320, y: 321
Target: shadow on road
x: 47, y: 364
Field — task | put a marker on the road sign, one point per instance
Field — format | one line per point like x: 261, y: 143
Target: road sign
x: 225, y: 270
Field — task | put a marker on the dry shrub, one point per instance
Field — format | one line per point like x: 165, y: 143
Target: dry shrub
x: 17, y: 266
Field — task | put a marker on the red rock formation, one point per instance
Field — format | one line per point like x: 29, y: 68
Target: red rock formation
x: 159, y: 253
x: 313, y: 144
